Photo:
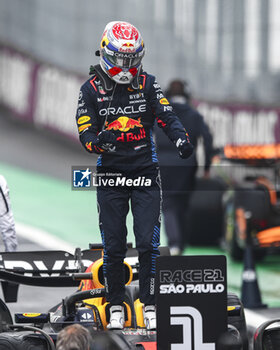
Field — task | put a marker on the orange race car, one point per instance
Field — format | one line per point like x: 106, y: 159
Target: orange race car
x: 251, y: 204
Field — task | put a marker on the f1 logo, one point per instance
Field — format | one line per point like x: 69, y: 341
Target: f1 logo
x: 191, y: 320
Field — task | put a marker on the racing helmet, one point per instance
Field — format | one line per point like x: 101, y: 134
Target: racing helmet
x: 121, y: 51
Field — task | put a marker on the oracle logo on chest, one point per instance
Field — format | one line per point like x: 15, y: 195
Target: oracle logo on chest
x: 123, y: 110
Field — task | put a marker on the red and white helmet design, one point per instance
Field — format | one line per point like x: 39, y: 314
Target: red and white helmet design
x: 121, y: 51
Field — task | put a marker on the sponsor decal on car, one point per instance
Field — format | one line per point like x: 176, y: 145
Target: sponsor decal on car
x: 31, y: 314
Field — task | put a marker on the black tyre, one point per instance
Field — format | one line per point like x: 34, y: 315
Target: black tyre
x: 243, y: 200
x: 205, y: 214
x: 237, y: 319
x: 271, y: 339
x: 235, y: 251
x: 267, y: 336
x: 230, y: 229
x: 5, y: 315
x: 22, y: 341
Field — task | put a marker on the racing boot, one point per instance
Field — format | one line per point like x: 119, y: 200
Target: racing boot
x: 116, y: 317
x: 150, y: 317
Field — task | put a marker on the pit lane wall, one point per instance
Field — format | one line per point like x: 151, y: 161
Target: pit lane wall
x: 47, y: 96
x: 39, y: 93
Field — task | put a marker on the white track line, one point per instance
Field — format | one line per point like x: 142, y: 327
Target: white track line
x: 42, y: 238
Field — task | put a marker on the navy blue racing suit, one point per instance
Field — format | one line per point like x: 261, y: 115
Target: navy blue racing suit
x: 129, y: 113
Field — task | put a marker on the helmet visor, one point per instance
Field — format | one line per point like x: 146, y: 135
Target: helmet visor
x: 123, y: 60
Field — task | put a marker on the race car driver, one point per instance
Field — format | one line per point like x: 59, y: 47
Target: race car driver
x: 7, y: 224
x: 116, y: 112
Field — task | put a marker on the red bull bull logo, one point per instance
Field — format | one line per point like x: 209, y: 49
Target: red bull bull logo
x: 127, y: 47
x: 124, y: 124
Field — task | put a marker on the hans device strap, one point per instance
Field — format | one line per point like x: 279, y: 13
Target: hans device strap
x: 108, y: 83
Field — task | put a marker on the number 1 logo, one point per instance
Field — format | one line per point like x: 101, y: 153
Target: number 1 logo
x: 191, y: 320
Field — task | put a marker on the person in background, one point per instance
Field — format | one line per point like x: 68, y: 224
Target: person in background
x: 178, y: 177
x: 73, y: 337
x: 7, y: 223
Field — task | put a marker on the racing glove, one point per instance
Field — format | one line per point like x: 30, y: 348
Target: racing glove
x: 106, y: 140
x: 185, y: 148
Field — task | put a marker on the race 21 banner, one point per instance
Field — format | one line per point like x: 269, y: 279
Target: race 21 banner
x: 191, y: 298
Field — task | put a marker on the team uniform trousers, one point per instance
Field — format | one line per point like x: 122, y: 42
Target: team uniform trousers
x: 113, y: 206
